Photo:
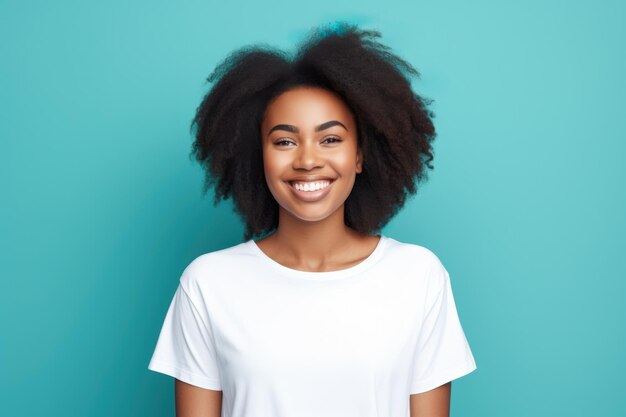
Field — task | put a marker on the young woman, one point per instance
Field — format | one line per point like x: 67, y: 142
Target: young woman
x: 323, y: 315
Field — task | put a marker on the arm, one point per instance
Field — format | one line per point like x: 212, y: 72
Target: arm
x: 192, y: 401
x: 433, y: 403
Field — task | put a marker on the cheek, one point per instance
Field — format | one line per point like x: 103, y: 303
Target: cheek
x: 272, y: 163
x: 346, y: 162
x: 275, y: 164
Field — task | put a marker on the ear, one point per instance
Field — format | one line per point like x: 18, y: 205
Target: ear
x: 359, y: 161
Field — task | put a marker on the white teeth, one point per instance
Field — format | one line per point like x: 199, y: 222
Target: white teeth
x: 310, y: 185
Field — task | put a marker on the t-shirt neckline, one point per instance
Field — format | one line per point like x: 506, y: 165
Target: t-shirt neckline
x: 323, y: 275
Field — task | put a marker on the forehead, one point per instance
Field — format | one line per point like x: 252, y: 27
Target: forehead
x: 307, y: 106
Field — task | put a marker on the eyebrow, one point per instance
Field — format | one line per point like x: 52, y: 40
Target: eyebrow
x: 293, y: 129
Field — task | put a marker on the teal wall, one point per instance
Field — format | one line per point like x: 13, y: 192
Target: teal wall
x: 102, y: 208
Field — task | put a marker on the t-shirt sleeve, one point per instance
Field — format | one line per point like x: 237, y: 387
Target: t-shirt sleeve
x: 185, y: 348
x: 443, y: 353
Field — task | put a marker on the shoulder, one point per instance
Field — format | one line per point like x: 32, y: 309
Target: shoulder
x: 412, y: 254
x: 213, y: 265
x: 416, y: 261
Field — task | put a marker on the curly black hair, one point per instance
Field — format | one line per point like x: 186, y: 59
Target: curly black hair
x: 394, y: 126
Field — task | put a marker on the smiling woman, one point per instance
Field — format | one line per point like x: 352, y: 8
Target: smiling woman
x: 323, y: 315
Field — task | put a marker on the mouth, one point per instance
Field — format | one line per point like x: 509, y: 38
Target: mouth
x: 310, y: 186
x: 311, y: 190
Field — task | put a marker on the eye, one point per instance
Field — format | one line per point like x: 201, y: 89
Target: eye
x: 279, y: 142
x: 332, y: 139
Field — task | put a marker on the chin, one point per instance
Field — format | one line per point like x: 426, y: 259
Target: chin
x: 313, y: 218
x: 310, y: 216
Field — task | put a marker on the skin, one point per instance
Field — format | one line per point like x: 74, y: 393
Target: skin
x: 311, y: 236
x: 433, y: 403
x: 192, y: 401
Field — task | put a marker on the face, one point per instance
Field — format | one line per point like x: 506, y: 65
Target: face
x: 310, y: 152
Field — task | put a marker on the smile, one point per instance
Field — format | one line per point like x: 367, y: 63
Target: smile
x: 309, y: 186
x: 310, y: 190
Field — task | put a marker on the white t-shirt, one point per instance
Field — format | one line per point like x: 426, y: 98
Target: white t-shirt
x: 279, y: 342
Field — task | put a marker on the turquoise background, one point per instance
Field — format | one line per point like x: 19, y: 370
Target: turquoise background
x: 102, y: 208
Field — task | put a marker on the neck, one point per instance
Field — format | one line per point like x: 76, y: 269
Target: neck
x: 314, y: 243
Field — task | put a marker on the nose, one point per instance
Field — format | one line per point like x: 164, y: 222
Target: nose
x: 307, y: 156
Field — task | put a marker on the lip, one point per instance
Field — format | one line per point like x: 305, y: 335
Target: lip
x: 311, y: 178
x: 310, y: 196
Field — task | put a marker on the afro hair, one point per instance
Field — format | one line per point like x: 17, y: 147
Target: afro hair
x: 394, y: 126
